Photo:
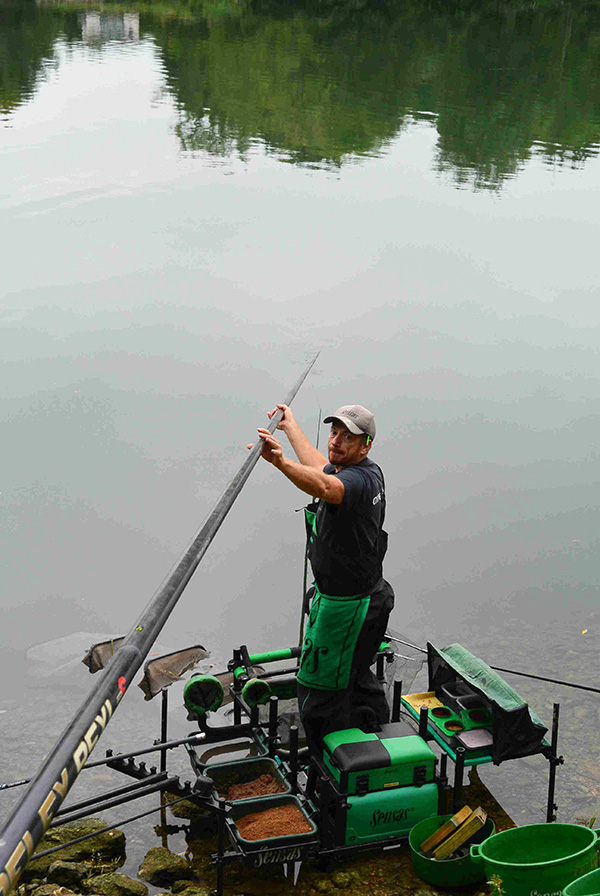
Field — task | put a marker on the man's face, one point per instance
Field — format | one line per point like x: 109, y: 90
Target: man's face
x: 344, y: 448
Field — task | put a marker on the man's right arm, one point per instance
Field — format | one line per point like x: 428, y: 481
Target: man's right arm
x: 306, y: 453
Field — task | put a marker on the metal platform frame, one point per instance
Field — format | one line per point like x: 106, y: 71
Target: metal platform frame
x: 321, y: 798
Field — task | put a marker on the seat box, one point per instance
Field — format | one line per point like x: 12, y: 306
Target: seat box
x: 364, y: 763
x: 389, y: 813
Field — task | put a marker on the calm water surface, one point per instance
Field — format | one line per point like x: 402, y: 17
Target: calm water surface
x: 194, y: 199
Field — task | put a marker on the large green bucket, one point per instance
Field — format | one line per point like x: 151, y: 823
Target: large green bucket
x: 458, y: 872
x: 588, y: 885
x: 538, y: 859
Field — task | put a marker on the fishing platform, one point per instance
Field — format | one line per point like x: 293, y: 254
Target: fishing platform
x: 367, y: 790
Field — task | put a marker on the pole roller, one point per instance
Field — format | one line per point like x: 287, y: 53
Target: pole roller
x: 31, y: 817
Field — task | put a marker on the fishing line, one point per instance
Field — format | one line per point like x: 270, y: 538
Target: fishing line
x: 565, y: 684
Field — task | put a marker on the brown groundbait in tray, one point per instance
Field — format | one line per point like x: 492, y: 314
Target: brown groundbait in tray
x: 261, y: 786
x: 276, y: 822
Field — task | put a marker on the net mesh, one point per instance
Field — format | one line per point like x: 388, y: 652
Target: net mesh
x: 407, y: 662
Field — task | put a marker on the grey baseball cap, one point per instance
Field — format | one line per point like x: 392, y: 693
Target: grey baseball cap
x: 355, y: 418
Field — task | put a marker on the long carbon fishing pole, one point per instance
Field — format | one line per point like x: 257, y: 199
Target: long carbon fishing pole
x: 30, y: 818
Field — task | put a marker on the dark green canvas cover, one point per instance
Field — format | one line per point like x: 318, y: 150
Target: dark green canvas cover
x: 516, y: 729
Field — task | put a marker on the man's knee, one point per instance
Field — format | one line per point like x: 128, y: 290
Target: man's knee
x: 322, y: 712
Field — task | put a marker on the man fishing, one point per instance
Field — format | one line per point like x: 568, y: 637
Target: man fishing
x: 347, y: 543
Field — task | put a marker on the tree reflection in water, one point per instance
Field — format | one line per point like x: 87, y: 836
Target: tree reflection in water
x: 319, y: 83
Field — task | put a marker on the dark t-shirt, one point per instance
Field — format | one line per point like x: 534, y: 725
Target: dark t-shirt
x: 347, y: 554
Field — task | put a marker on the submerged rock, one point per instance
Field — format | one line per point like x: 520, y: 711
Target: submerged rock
x: 162, y: 867
x: 106, y: 844
x: 116, y: 884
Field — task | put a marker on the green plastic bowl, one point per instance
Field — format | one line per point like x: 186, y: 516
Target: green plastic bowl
x: 449, y: 872
x: 538, y: 858
x: 588, y: 885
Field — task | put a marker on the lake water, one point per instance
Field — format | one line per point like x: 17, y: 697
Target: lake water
x: 195, y: 198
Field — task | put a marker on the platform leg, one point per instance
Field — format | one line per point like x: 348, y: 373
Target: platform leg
x: 311, y: 781
x: 396, y: 698
x: 554, y: 762
x: 327, y: 836
x: 273, y: 724
x: 443, y: 784
x: 164, y: 705
x: 237, y: 711
x: 220, y: 846
x: 444, y: 768
x: 459, y: 770
x: 294, y: 757
x: 423, y: 719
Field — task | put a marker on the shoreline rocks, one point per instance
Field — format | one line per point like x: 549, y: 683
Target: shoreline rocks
x: 106, y: 845
x: 162, y: 867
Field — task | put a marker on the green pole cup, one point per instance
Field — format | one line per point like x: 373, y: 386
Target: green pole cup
x: 256, y: 691
x: 202, y: 694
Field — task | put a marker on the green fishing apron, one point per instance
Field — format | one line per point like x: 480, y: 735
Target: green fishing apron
x: 334, y: 624
x: 333, y: 627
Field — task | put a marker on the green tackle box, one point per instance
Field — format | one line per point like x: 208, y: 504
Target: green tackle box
x: 364, y: 763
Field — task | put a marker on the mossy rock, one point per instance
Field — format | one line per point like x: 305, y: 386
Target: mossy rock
x: 344, y: 879
x: 195, y: 890
x: 324, y: 886
x: 68, y: 874
x: 187, y: 809
x: 52, y: 890
x: 106, y: 844
x: 162, y: 867
x: 180, y: 885
x: 116, y: 884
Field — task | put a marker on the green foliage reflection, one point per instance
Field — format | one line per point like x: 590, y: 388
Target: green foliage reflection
x: 319, y: 82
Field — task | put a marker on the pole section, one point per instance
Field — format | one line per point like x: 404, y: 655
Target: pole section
x: 31, y: 817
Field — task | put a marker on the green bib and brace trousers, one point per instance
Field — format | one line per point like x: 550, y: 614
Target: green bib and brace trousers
x: 336, y: 687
